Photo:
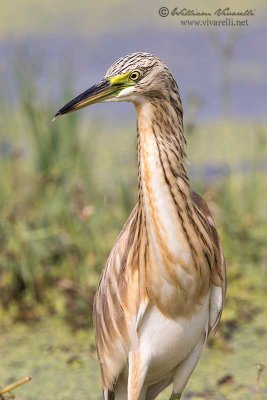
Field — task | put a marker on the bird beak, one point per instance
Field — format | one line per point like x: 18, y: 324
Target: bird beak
x: 95, y: 94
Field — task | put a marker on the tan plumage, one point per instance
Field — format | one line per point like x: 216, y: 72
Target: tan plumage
x: 163, y: 286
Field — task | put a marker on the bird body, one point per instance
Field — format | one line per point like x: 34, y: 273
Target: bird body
x: 163, y: 286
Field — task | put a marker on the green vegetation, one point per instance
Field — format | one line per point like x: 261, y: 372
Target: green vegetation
x: 66, y: 189
x: 64, y: 365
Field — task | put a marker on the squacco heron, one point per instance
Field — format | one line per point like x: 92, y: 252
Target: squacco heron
x: 162, y: 289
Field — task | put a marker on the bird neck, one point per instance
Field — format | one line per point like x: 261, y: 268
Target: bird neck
x: 161, y: 148
x: 172, y: 243
x: 164, y: 193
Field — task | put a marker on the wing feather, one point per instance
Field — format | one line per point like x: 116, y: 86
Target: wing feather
x: 218, y: 273
x: 115, y: 306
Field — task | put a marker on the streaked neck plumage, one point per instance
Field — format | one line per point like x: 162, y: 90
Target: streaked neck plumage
x: 165, y: 204
x: 161, y: 142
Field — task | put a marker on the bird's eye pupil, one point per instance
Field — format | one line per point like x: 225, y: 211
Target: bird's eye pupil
x: 134, y: 76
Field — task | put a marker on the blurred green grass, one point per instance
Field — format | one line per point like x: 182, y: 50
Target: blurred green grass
x: 67, y: 187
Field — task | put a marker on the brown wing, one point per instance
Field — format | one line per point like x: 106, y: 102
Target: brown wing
x: 218, y: 274
x: 115, y: 304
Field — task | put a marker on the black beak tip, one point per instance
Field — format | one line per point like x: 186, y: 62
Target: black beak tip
x: 56, y: 115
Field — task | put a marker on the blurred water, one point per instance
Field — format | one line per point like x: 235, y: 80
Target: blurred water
x: 190, y: 54
x: 211, y: 172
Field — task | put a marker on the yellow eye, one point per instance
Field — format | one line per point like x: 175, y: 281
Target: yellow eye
x: 134, y: 76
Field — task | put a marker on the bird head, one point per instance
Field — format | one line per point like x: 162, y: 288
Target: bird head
x: 135, y: 78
